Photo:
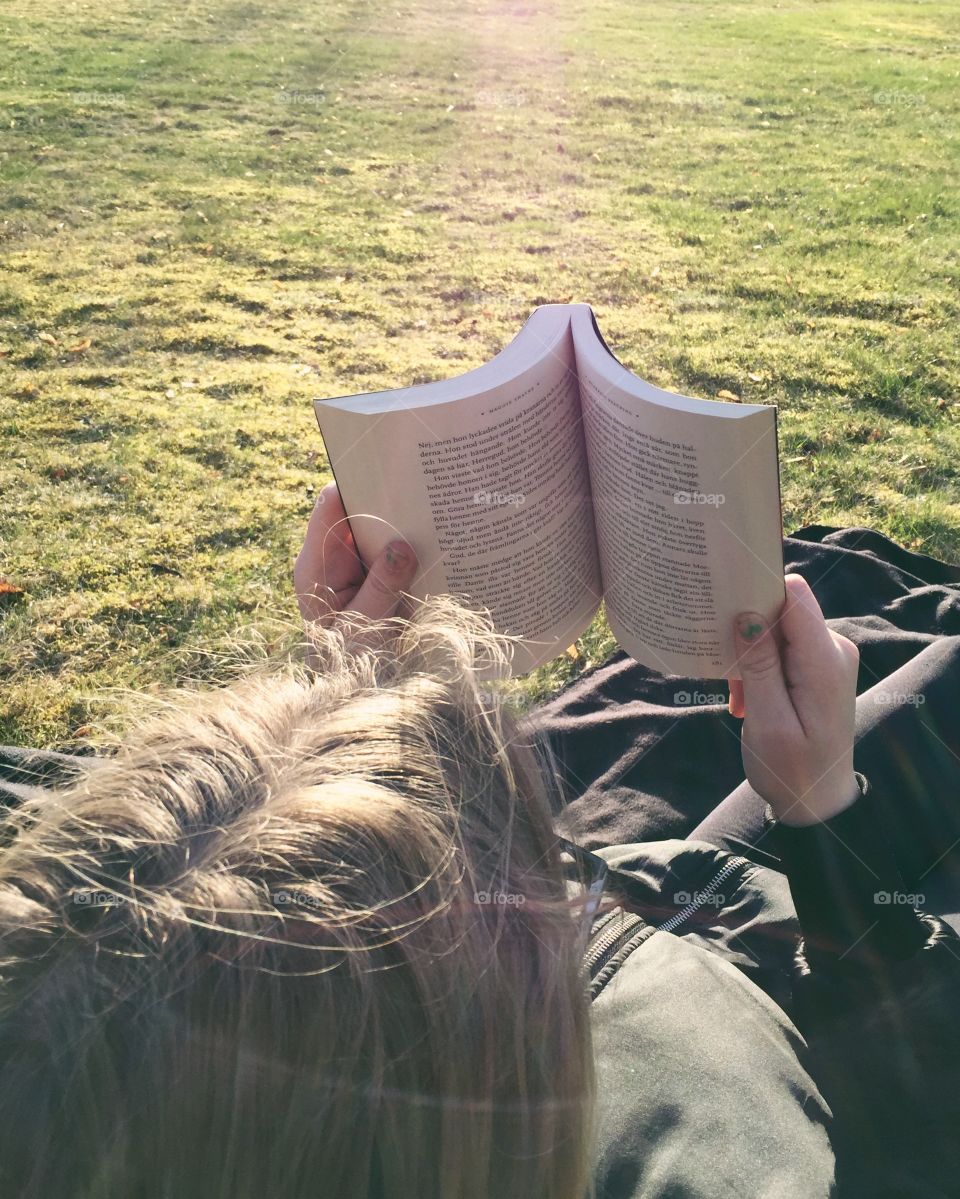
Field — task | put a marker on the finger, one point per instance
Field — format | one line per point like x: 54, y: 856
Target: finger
x: 847, y: 647
x: 810, y: 651
x: 764, y: 690
x: 392, y: 572
x: 850, y: 654
x: 327, y: 563
x: 328, y: 547
x: 735, y: 704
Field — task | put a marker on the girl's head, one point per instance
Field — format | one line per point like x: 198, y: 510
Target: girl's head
x: 304, y: 936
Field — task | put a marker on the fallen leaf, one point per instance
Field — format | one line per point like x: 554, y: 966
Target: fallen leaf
x: 572, y: 652
x: 755, y: 378
x: 80, y: 346
x: 170, y: 393
x: 8, y: 588
x: 48, y: 338
x: 5, y: 351
x: 729, y: 396
x: 28, y: 390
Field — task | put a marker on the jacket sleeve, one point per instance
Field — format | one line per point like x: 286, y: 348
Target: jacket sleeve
x: 876, y: 996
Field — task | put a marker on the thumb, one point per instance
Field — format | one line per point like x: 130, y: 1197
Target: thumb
x: 392, y: 572
x: 761, y: 672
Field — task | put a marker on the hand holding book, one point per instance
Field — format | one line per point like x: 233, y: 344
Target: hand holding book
x: 797, y: 698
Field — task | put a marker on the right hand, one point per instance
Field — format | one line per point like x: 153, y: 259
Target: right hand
x: 797, y: 699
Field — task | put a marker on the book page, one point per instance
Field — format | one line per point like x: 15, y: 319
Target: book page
x: 492, y: 490
x: 687, y: 509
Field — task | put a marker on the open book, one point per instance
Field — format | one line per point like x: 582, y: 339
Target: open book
x: 552, y: 478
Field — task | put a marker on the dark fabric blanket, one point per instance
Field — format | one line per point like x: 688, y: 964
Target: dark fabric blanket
x: 647, y: 756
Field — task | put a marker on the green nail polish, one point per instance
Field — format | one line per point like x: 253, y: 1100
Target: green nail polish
x: 750, y: 629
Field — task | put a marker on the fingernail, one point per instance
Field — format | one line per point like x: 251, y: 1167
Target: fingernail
x: 397, y: 555
x: 750, y: 625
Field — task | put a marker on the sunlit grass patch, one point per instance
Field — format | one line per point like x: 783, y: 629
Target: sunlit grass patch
x: 208, y: 216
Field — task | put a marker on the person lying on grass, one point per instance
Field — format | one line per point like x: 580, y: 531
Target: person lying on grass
x: 314, y: 935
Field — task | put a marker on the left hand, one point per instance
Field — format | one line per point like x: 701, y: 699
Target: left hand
x: 329, y: 577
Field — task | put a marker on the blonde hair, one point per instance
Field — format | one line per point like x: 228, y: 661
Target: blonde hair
x: 245, y: 957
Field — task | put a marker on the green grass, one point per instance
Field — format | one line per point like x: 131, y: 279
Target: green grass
x: 244, y: 206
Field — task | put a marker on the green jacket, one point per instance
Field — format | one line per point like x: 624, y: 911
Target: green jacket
x: 742, y: 1051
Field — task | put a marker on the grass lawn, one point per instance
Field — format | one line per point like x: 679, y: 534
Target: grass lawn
x: 211, y: 213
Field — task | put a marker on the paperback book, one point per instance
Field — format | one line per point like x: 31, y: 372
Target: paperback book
x: 552, y: 479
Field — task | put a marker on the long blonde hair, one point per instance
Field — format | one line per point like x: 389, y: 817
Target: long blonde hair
x: 305, y: 935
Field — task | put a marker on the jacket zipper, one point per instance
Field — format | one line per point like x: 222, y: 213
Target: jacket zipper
x: 702, y: 896
x: 620, y: 926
